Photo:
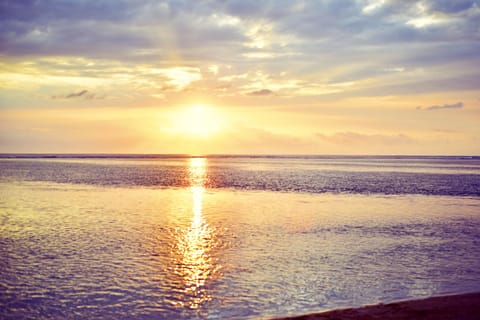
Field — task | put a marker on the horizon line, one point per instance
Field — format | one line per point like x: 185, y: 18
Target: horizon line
x: 218, y: 155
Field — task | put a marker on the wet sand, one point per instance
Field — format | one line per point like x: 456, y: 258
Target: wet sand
x: 452, y: 307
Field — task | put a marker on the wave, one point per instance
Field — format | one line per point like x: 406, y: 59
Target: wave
x: 278, y: 175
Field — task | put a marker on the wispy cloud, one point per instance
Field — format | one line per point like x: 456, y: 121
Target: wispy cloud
x: 263, y: 92
x: 355, y: 138
x: 457, y: 105
x: 76, y: 95
x: 84, y: 94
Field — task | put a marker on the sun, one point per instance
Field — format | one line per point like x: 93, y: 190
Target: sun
x: 196, y: 120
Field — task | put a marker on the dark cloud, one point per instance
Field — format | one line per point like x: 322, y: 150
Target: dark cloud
x: 244, y: 8
x: 335, y: 40
x: 457, y: 105
x: 449, y: 6
x: 116, y: 30
x: 75, y: 95
x: 263, y: 92
x: 84, y: 94
x: 41, y: 11
x: 124, y: 29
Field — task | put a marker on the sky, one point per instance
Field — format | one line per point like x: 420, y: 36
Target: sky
x: 240, y: 77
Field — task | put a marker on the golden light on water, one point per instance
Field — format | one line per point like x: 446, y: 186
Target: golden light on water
x: 197, y: 172
x: 195, y: 264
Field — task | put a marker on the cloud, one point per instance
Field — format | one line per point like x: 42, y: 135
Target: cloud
x: 448, y: 6
x: 411, y: 85
x: 263, y: 92
x: 250, y: 140
x: 117, y: 30
x: 457, y: 105
x: 101, y: 30
x: 360, y: 139
x: 74, y: 95
x: 318, y: 42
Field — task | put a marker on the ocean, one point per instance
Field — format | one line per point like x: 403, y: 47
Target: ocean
x: 232, y: 237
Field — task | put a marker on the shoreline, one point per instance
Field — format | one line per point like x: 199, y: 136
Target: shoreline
x: 447, y: 307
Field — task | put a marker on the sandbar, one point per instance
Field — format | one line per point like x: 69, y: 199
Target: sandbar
x: 448, y: 307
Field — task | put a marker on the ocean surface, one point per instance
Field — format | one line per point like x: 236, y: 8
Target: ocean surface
x: 232, y: 237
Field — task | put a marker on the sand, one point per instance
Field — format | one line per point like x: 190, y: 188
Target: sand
x: 452, y: 307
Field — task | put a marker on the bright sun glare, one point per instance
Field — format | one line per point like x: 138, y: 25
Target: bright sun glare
x: 196, y: 120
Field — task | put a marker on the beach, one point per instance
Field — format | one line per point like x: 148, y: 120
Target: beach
x: 450, y: 307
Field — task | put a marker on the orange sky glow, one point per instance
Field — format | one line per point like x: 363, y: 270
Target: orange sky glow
x: 240, y: 77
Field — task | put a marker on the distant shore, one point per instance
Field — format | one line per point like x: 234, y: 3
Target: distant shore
x: 451, y: 307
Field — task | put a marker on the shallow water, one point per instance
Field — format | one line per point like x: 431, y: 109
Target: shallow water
x: 79, y: 240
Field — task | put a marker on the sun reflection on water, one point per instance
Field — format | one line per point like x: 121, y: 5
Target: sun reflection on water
x: 194, y: 248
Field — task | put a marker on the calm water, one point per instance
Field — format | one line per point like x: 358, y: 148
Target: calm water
x: 233, y: 237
